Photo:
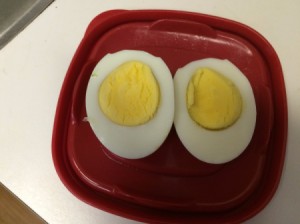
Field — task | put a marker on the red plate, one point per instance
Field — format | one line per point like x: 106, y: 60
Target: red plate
x: 171, y: 185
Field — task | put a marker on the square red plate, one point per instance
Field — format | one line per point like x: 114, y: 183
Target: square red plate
x: 171, y: 186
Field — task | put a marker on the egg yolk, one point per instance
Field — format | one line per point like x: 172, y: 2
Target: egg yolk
x: 130, y: 94
x: 213, y: 101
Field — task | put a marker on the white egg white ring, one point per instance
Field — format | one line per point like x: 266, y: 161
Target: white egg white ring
x: 211, y: 146
x: 137, y: 141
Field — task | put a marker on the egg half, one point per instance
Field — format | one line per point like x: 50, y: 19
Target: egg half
x: 130, y: 103
x: 215, y: 110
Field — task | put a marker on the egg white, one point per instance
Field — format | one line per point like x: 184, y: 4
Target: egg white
x: 136, y: 141
x: 214, y: 146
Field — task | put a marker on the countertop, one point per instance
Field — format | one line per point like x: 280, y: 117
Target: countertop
x: 33, y: 66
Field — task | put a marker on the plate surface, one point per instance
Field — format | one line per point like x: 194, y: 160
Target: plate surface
x: 171, y: 185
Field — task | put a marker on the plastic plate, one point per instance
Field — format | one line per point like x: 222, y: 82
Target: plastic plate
x: 171, y: 186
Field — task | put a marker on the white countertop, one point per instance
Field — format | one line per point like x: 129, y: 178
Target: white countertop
x: 34, y: 64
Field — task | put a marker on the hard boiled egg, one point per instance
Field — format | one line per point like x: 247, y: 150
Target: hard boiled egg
x: 130, y: 103
x: 215, y: 111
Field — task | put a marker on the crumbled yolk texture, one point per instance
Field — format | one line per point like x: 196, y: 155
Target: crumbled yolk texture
x: 213, y: 101
x: 130, y: 94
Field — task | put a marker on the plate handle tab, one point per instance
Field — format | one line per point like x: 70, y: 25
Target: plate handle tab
x: 184, y: 27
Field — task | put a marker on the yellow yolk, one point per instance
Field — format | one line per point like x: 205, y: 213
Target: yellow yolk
x: 213, y: 101
x: 129, y: 95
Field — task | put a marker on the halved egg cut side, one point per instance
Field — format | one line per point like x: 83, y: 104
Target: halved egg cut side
x: 130, y: 103
x: 215, y: 111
